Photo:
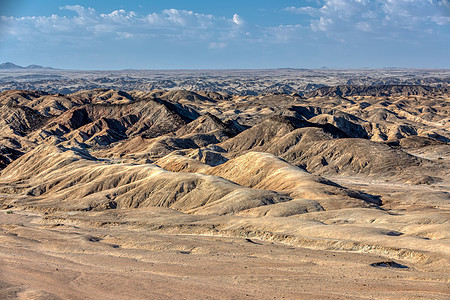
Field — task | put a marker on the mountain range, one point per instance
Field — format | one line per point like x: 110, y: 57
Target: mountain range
x: 12, y: 66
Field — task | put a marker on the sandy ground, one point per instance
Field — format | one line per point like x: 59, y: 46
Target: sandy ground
x: 40, y: 259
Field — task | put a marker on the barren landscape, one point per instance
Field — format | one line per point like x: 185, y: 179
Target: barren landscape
x: 236, y: 82
x: 270, y: 184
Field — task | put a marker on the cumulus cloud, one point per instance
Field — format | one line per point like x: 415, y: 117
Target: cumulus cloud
x: 88, y: 23
x: 80, y: 10
x: 238, y: 20
x: 186, y: 18
x: 380, y: 17
x: 322, y: 24
x: 335, y: 19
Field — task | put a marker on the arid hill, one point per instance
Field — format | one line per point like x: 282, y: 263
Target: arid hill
x: 378, y: 90
x: 348, y: 185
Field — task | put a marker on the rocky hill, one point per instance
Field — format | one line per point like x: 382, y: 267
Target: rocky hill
x: 357, y: 174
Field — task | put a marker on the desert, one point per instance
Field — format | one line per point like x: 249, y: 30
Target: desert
x: 231, y: 149
x: 338, y: 189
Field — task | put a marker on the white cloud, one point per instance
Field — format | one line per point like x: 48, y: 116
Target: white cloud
x: 119, y: 16
x: 80, y: 10
x: 441, y: 20
x: 322, y: 24
x: 217, y: 45
x: 125, y: 35
x: 87, y: 23
x: 336, y: 19
x: 238, y: 20
x: 339, y: 18
x: 363, y: 26
x: 307, y: 10
x: 186, y: 18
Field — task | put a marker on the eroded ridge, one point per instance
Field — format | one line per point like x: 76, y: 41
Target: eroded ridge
x: 347, y: 185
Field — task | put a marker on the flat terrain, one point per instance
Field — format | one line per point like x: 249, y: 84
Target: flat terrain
x: 340, y: 191
x: 78, y: 260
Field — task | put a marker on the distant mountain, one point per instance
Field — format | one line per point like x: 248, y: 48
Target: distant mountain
x: 36, y: 67
x: 11, y: 66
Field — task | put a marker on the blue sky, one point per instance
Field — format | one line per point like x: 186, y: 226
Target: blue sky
x: 214, y: 34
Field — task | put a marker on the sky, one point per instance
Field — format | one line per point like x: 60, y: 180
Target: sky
x: 225, y: 34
